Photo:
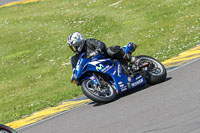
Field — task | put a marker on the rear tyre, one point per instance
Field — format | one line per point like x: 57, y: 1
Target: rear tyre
x: 156, y: 72
x: 97, y: 94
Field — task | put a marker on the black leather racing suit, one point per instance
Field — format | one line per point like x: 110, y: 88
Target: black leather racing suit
x: 92, y: 44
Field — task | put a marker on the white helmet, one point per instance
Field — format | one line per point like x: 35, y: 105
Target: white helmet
x: 76, y: 42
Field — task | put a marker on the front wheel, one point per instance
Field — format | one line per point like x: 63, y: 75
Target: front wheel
x: 98, y: 94
x: 6, y: 129
x: 156, y: 72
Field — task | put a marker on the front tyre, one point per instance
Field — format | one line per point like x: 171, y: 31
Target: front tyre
x: 156, y: 72
x: 6, y: 129
x: 98, y: 94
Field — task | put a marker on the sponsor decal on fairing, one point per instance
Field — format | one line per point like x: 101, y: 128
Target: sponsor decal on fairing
x: 137, y: 83
x: 129, y: 79
x: 119, y: 70
x: 100, y: 67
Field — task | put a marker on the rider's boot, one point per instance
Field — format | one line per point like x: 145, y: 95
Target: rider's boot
x: 132, y: 68
x: 129, y: 58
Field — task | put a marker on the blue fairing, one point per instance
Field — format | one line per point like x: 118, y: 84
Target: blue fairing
x: 104, y: 65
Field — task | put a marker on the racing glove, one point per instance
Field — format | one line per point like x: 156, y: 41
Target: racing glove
x: 96, y: 52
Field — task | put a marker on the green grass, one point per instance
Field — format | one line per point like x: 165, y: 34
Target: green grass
x: 35, y: 67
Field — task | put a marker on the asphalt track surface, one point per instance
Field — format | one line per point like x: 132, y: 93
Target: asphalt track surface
x: 2, y: 2
x: 169, y: 107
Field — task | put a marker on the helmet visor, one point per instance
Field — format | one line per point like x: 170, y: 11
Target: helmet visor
x: 73, y: 48
x: 77, y: 47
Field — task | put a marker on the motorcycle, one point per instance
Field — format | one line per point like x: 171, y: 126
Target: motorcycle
x: 102, y: 79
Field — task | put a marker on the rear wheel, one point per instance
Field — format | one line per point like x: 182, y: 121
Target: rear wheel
x: 103, y: 94
x: 156, y: 72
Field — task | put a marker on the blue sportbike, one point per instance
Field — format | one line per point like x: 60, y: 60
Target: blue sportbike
x: 103, y: 78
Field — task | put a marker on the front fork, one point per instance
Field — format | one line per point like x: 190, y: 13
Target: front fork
x: 95, y: 80
x: 99, y: 84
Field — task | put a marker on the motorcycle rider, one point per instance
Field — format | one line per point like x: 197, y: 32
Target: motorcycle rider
x: 93, y: 47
